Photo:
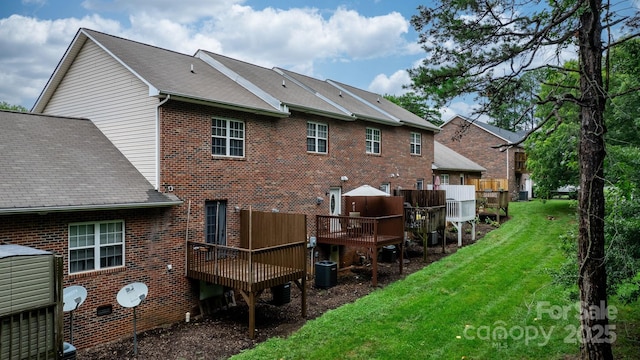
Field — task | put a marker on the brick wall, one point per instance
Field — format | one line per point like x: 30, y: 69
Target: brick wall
x: 277, y: 172
x: 151, y: 242
x: 476, y: 145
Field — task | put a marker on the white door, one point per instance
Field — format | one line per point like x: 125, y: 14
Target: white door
x: 335, y: 204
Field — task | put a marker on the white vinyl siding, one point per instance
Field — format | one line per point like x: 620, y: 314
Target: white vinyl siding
x: 99, y: 88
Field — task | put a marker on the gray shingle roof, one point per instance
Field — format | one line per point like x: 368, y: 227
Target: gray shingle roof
x: 344, y: 99
x: 234, y: 83
x: 276, y: 84
x: 50, y: 163
x: 387, y: 106
x: 509, y: 136
x: 445, y: 158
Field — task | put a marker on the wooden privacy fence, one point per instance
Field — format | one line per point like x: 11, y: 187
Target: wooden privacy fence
x: 489, y: 184
x: 272, y: 252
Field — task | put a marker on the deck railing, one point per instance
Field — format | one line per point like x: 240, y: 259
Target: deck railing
x: 427, y: 219
x: 243, y: 268
x: 365, y: 229
x: 461, y: 210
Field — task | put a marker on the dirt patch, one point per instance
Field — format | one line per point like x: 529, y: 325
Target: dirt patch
x: 225, y: 332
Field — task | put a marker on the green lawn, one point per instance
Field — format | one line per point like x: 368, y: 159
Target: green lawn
x: 490, y: 300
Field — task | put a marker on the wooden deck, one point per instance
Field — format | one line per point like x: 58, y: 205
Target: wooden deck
x: 242, y: 269
x: 272, y: 255
x: 371, y: 232
x: 425, y: 214
x: 492, y: 202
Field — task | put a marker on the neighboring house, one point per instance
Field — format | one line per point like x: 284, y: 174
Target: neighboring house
x: 65, y: 188
x: 453, y: 168
x: 477, y: 141
x: 221, y: 135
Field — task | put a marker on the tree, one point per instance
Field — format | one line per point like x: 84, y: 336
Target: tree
x: 552, y: 151
x: 416, y: 104
x: 514, y: 112
x: 6, y: 106
x: 481, y: 47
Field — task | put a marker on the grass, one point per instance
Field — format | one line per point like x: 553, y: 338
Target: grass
x: 491, y: 300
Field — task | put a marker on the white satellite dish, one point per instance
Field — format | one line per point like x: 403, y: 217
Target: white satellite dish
x: 72, y: 297
x: 132, y: 295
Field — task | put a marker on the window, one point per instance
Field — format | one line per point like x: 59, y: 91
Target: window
x: 420, y: 184
x: 95, y: 246
x: 216, y: 227
x: 386, y: 187
x: 444, y: 179
x: 317, y: 137
x: 373, y: 141
x: 416, y: 143
x: 227, y: 138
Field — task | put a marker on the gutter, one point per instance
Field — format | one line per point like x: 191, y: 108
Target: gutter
x: 225, y: 105
x: 51, y: 209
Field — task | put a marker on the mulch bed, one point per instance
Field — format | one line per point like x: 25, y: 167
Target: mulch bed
x: 225, y: 332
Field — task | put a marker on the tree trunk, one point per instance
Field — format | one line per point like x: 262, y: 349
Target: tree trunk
x: 596, y: 340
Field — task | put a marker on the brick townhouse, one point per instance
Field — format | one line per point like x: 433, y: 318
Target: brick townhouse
x: 212, y: 135
x: 478, y: 142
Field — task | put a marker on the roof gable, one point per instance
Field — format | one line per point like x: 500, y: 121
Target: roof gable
x: 508, y: 136
x: 165, y: 72
x: 63, y: 164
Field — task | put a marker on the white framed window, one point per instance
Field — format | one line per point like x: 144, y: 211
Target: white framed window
x: 96, y: 245
x: 386, y: 187
x: 373, y: 141
x: 444, y: 179
x: 420, y: 184
x: 227, y: 137
x: 416, y: 143
x: 317, y: 135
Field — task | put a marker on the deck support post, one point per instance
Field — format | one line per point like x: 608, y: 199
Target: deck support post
x: 252, y: 315
x: 401, y: 256
x: 374, y: 268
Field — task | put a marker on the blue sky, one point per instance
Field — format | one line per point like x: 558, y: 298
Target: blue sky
x: 365, y: 43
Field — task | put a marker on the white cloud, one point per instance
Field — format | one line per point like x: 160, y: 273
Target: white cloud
x: 393, y: 85
x: 297, y: 38
x: 184, y: 11
x: 31, y: 50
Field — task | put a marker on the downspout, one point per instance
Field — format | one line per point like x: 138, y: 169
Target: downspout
x: 157, y: 184
x: 508, y: 171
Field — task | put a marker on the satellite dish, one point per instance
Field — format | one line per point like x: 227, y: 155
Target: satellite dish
x: 72, y: 297
x: 132, y: 295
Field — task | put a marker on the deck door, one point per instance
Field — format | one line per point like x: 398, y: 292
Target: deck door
x: 216, y: 228
x: 335, y: 207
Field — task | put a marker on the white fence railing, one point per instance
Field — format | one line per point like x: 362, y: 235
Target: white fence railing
x: 461, y: 210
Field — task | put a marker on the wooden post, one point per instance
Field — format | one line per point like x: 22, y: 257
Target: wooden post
x: 374, y: 268
x: 252, y: 314
x: 401, y: 255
